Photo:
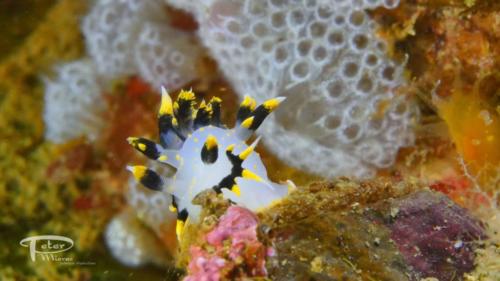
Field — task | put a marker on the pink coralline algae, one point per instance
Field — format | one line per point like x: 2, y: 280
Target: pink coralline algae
x: 232, y: 249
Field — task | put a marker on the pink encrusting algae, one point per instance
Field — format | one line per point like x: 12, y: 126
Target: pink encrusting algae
x: 232, y: 249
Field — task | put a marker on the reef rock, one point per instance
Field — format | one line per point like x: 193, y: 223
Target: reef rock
x: 418, y: 235
x: 324, y: 56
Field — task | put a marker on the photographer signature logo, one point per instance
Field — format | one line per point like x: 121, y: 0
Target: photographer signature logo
x: 47, y: 246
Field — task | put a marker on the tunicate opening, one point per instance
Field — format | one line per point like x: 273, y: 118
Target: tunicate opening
x: 157, y: 50
x: 376, y: 124
x: 391, y: 3
x: 278, y: 20
x: 339, y: 20
x: 324, y: 12
x: 177, y: 58
x: 278, y: 3
x: 247, y: 42
x: 159, y: 69
x: 310, y: 3
x: 280, y: 54
x: 254, y: 7
x: 260, y: 29
x: 267, y: 46
x: 120, y: 47
x: 301, y: 69
x: 233, y: 27
x: 317, y: 29
x: 356, y: 112
x: 320, y: 53
x: 336, y: 89
x: 357, y: 18
x: 351, y: 69
x: 296, y: 18
x: 400, y: 108
x: 352, y: 132
x: 388, y: 73
x: 365, y: 84
x: 336, y: 38
x: 360, y: 41
x: 303, y: 47
x: 371, y: 60
x: 381, y: 46
x: 332, y: 122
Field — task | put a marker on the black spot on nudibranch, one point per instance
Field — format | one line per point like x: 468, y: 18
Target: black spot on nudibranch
x: 152, y: 180
x: 210, y: 150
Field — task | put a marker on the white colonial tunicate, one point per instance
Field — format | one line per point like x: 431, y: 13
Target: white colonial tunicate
x: 73, y: 104
x: 342, y: 116
x: 126, y: 37
x: 131, y: 243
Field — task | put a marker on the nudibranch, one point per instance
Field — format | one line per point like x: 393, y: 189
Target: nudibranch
x: 207, y: 155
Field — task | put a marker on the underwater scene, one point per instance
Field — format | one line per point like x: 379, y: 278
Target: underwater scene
x: 206, y: 140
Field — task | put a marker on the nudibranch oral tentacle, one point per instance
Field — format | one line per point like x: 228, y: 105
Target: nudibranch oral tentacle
x: 207, y: 155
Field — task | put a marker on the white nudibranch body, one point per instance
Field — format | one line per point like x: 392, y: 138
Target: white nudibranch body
x: 207, y: 155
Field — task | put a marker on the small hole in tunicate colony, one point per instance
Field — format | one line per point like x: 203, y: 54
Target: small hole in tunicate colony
x: 301, y: 69
x: 280, y: 54
x: 320, y: 53
x: 296, y: 18
x: 400, y: 108
x: 376, y: 124
x: 267, y: 46
x: 108, y: 18
x: 336, y: 38
x: 303, y: 47
x: 333, y: 122
x: 340, y: 20
x: 310, y: 3
x: 233, y: 27
x: 391, y: 3
x: 352, y: 132
x: 177, y: 58
x: 317, y: 29
x: 247, y: 42
x: 335, y: 89
x: 159, y: 69
x: 158, y: 50
x: 351, y: 69
x: 324, y: 12
x: 365, y: 84
x: 357, y: 18
x: 278, y: 20
x: 371, y: 60
x: 360, y: 41
x: 356, y: 112
x: 381, y: 46
x: 260, y: 29
x: 278, y: 3
x: 388, y: 73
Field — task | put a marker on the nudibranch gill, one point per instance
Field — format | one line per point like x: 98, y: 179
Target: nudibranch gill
x: 207, y: 155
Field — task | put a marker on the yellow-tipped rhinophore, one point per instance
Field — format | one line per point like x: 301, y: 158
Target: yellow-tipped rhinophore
x: 166, y: 103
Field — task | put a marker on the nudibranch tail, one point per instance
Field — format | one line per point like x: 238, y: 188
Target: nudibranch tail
x: 207, y: 155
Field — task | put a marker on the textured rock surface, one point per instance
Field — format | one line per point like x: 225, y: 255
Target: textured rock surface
x: 342, y: 110
x: 437, y: 237
x: 390, y: 233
